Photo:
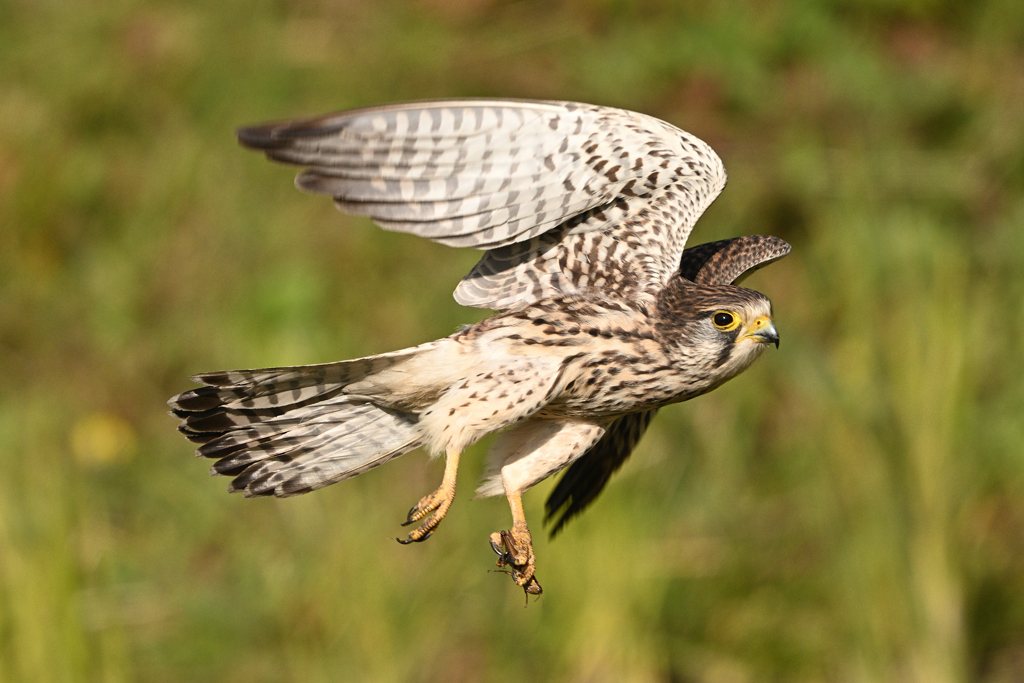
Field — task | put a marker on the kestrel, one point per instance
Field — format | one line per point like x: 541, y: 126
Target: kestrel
x: 583, y: 213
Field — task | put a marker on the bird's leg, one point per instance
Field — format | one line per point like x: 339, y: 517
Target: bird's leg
x: 515, y: 547
x: 435, y: 504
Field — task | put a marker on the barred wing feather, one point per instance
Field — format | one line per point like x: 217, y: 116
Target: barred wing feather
x: 563, y: 196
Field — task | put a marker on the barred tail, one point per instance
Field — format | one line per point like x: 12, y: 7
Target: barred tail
x: 291, y: 430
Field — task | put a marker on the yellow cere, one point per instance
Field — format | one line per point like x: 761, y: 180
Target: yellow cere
x: 760, y: 322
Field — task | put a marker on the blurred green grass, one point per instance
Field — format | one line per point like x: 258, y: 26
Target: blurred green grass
x: 851, y: 509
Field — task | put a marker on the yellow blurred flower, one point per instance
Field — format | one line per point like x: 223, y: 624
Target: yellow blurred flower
x: 101, y: 439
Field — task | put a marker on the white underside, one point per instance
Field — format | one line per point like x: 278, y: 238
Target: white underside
x: 534, y: 450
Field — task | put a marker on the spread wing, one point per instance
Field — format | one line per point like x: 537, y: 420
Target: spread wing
x: 722, y: 262
x: 563, y: 196
x: 730, y: 261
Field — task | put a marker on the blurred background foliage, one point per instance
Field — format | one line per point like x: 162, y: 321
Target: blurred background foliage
x: 851, y: 509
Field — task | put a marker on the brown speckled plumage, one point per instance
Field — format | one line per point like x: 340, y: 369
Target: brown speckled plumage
x: 583, y: 213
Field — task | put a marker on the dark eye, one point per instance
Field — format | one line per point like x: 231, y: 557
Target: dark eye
x: 725, y: 321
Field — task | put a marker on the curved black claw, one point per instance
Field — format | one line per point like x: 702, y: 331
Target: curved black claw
x: 429, y: 511
x: 407, y: 541
x: 409, y: 519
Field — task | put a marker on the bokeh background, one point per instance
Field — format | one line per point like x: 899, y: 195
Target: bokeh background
x: 851, y: 509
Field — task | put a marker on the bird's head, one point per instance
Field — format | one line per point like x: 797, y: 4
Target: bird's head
x: 714, y: 332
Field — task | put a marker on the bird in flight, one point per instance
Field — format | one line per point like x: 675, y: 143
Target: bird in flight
x: 603, y: 316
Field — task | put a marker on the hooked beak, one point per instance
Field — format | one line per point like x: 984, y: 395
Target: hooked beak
x: 763, y: 331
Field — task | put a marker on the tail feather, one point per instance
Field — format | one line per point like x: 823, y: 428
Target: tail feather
x: 368, y: 437
x: 232, y: 459
x: 269, y: 388
x: 231, y: 427
x: 286, y: 431
x: 354, y: 429
x: 308, y: 418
